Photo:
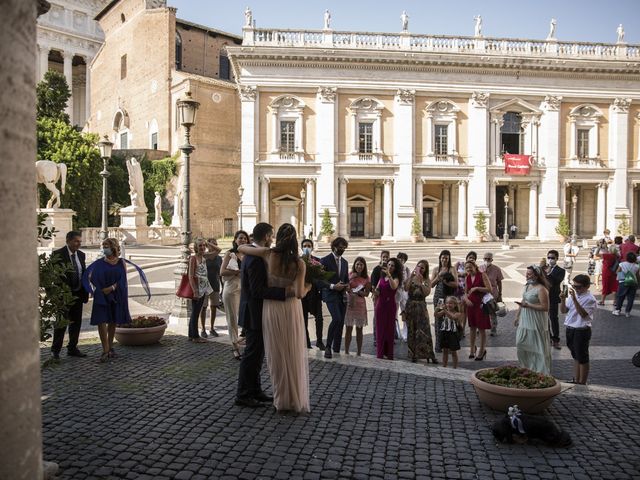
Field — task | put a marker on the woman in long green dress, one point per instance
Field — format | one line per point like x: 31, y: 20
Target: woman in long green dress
x: 532, y: 336
x: 419, y: 338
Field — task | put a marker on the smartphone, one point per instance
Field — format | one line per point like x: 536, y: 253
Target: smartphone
x: 565, y: 290
x: 518, y: 303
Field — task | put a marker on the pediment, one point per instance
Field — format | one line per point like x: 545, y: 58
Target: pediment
x: 359, y: 198
x: 287, y: 199
x: 516, y: 105
x: 287, y: 102
x: 585, y: 110
x: 366, y: 104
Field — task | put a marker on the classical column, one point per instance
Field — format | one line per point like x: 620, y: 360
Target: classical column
x: 387, y: 209
x: 310, y: 206
x: 618, y: 205
x: 404, y: 142
x: 68, y: 75
x: 513, y: 204
x: 43, y: 61
x: 87, y: 90
x: 446, y: 209
x: 549, y: 149
x: 533, y: 211
x: 478, y: 151
x: 462, y: 210
x: 492, y: 209
x: 342, y: 217
x: 377, y: 212
x: 326, y: 125
x: 419, y: 200
x: 563, y: 198
x: 601, y: 210
x: 248, y: 154
x: 264, y: 199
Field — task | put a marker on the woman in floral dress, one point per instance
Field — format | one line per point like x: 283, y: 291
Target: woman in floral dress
x: 419, y: 339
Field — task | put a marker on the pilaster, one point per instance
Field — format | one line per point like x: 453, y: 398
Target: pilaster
x: 326, y: 140
x: 478, y: 148
x: 618, y: 205
x: 404, y: 144
x: 248, y: 154
x: 549, y: 142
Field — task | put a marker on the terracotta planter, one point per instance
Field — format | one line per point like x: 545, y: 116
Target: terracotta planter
x: 501, y: 398
x: 140, y: 336
x: 326, y: 238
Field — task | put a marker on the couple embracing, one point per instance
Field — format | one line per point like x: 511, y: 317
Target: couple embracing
x: 272, y: 282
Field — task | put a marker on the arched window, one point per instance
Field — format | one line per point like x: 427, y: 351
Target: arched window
x: 121, y: 127
x: 178, y: 51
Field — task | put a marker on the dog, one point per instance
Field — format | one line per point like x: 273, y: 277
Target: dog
x: 520, y: 428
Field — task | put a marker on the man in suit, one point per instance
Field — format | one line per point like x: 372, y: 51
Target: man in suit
x: 312, y: 301
x: 254, y: 289
x: 333, y: 293
x: 555, y: 276
x: 72, y: 256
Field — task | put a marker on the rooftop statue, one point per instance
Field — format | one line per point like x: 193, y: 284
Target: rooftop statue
x: 478, y: 27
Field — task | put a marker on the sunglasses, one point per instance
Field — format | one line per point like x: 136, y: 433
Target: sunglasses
x: 551, y: 258
x: 576, y: 285
x: 488, y: 259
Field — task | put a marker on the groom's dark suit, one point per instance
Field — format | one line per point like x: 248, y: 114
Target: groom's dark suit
x: 335, y: 300
x: 254, y: 290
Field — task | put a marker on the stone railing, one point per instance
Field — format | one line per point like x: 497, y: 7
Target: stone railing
x: 449, y: 159
x: 436, y: 43
x: 133, y: 235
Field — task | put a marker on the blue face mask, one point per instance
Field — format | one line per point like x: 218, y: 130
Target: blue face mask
x: 107, y: 252
x: 306, y: 251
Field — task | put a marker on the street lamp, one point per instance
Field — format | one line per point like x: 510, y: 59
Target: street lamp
x: 105, y: 147
x: 240, y: 192
x: 574, y: 210
x: 303, y: 196
x: 505, y: 236
x: 186, y: 112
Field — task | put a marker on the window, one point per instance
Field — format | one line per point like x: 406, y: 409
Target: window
x: 365, y: 137
x: 585, y: 126
x: 224, y: 67
x: 154, y: 141
x: 512, y: 138
x: 288, y: 136
x: 124, y: 140
x: 441, y: 132
x: 123, y: 66
x: 178, y: 51
x: 228, y: 227
x: 583, y: 143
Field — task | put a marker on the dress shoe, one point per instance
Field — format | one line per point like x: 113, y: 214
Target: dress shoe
x: 321, y: 345
x: 247, y: 402
x: 263, y: 397
x: 55, y: 356
x: 327, y: 353
x: 76, y: 353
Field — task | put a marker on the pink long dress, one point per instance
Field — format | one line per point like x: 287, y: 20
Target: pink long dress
x: 385, y: 315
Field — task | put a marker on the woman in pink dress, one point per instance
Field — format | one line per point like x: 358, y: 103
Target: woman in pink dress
x: 477, y: 284
x: 609, y: 267
x: 356, y: 316
x: 385, y: 311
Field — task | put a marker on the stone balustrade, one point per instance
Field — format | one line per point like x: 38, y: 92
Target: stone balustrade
x: 436, y: 43
x: 141, y: 235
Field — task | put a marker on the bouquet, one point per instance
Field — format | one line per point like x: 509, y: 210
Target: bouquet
x: 315, y: 271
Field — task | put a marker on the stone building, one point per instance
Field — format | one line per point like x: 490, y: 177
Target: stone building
x: 149, y: 60
x: 68, y: 39
x: 376, y: 127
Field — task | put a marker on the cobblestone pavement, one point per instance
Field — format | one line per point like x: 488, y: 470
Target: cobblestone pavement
x: 166, y: 411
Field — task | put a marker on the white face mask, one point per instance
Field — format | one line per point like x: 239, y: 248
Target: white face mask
x: 486, y: 264
x: 552, y: 262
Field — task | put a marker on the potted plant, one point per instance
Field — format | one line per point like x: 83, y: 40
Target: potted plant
x: 416, y: 229
x: 563, y: 229
x: 326, y: 228
x: 624, y: 229
x: 501, y: 387
x: 143, y: 330
x: 481, y: 226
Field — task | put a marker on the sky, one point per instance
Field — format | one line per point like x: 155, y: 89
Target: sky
x: 577, y: 20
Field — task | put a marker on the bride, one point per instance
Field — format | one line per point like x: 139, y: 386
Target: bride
x: 283, y: 324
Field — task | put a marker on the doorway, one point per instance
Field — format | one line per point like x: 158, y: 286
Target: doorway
x: 357, y: 222
x: 427, y: 222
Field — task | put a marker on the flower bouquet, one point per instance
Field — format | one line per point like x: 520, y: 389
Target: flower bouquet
x: 144, y: 322
x: 315, y: 271
x: 516, y: 377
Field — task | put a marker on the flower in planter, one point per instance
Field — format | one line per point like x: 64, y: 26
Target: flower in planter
x: 512, y: 376
x: 144, y: 322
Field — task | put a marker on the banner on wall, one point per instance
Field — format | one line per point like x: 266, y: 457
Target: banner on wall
x: 517, y: 164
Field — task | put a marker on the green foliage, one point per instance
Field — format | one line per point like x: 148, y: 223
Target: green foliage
x: 416, y: 225
x: 563, y: 229
x: 52, y: 96
x: 481, y: 224
x: 516, y: 377
x: 624, y: 228
x: 54, y: 294
x: 326, y: 228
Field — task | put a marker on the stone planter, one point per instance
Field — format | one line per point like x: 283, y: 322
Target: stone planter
x: 416, y: 238
x: 501, y: 398
x: 140, y: 336
x: 326, y: 238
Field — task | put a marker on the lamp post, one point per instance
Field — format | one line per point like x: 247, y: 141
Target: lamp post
x: 574, y: 211
x: 240, y: 192
x: 186, y: 110
x: 303, y: 196
x: 105, y: 147
x: 505, y: 235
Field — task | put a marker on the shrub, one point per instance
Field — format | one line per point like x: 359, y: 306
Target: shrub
x: 481, y: 224
x: 326, y: 228
x: 416, y: 225
x: 516, y: 377
x: 563, y: 229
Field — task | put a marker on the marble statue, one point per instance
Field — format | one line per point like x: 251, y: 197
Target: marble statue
x: 620, y: 32
x: 176, y: 219
x: 136, y: 183
x: 478, y: 27
x: 405, y: 21
x: 327, y: 20
x: 157, y: 205
x: 248, y: 17
x: 552, y: 29
x: 48, y: 173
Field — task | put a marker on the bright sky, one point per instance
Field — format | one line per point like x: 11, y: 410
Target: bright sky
x: 579, y: 20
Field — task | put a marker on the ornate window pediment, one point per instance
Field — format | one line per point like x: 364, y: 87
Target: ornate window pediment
x: 516, y: 105
x: 287, y: 128
x: 585, y: 124
x: 366, y: 130
x: 515, y: 111
x: 441, y: 131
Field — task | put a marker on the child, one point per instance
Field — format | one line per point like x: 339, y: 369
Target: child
x: 451, y: 323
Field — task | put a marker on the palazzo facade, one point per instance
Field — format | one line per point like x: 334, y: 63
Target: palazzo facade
x: 376, y: 128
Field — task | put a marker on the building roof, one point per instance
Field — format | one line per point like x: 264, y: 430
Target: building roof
x: 104, y: 11
x: 208, y: 29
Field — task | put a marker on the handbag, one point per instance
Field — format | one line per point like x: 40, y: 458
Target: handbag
x: 184, y: 289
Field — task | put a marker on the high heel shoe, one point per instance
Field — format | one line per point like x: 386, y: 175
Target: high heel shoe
x: 473, y: 355
x: 481, y: 357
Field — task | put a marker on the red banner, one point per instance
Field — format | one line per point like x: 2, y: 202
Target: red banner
x: 517, y: 164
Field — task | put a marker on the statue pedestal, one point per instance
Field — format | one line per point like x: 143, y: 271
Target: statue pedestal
x: 62, y: 220
x: 131, y: 219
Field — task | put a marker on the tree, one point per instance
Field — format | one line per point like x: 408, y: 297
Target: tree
x: 624, y: 228
x: 326, y: 228
x: 563, y: 229
x: 416, y: 226
x: 481, y: 224
x: 52, y: 96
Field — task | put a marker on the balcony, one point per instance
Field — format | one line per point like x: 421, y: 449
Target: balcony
x: 583, y: 162
x: 284, y: 157
x: 369, y: 158
x: 452, y: 159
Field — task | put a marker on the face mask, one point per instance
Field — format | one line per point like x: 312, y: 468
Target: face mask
x: 306, y: 251
x: 487, y: 264
x: 552, y: 262
x: 107, y: 252
x: 338, y: 252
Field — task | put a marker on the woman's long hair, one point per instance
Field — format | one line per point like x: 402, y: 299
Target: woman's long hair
x: 398, y: 271
x: 234, y: 244
x: 442, y: 254
x: 540, y: 276
x: 287, y: 247
x: 364, y: 273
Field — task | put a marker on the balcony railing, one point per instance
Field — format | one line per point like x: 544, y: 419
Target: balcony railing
x: 436, y: 43
x: 449, y: 159
x: 582, y: 162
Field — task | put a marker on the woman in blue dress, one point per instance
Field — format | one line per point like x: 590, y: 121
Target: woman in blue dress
x: 106, y: 280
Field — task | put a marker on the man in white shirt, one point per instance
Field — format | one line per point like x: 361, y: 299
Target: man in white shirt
x: 580, y: 308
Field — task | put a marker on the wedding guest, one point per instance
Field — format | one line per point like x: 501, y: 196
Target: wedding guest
x: 532, y: 334
x: 106, y: 280
x: 629, y: 245
x: 199, y: 281
x: 72, y: 256
x: 419, y: 341
x: 230, y: 271
x: 610, y: 263
x: 580, y: 308
x: 476, y: 286
x: 375, y: 277
x: 600, y: 249
x: 401, y: 297
x: 627, y: 284
x: 571, y: 251
x: 213, y: 264
x: 356, y: 315
x: 333, y: 293
x: 554, y: 274
x: 386, y: 308
x: 450, y: 318
x: 312, y: 302
x: 462, y: 275
x: 444, y: 283
x: 494, y: 273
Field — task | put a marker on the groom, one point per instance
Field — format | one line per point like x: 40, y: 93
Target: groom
x: 333, y: 293
x: 254, y: 290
